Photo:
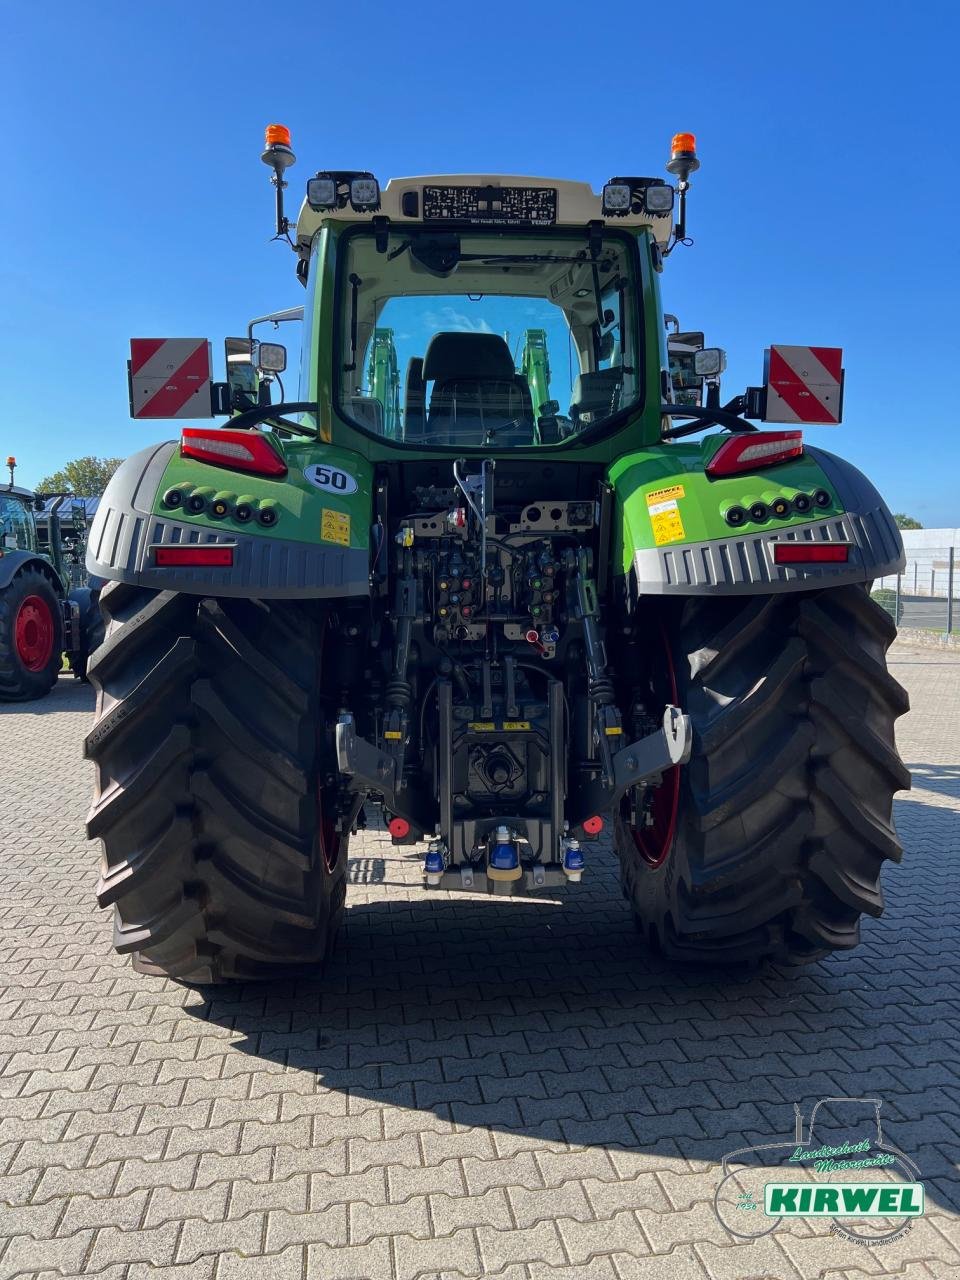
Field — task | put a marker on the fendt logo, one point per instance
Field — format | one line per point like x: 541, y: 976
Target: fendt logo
x: 869, y: 1187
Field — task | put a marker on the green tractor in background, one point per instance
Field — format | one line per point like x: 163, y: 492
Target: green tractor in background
x: 504, y: 598
x: 43, y: 614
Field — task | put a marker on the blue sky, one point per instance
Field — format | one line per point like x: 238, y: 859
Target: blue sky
x: 134, y: 201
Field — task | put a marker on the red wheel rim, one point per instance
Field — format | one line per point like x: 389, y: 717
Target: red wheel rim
x: 654, y: 842
x: 33, y: 632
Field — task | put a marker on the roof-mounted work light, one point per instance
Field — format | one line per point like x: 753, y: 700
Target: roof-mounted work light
x: 651, y: 196
x: 658, y: 198
x: 334, y: 189
x: 364, y: 193
x: 279, y: 156
x: 322, y: 192
x: 617, y: 197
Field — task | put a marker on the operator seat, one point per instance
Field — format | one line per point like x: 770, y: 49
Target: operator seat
x: 478, y: 397
x: 415, y: 401
x: 596, y: 395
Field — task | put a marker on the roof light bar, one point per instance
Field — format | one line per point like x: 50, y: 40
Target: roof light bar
x: 240, y: 450
x: 811, y: 552
x: 749, y: 451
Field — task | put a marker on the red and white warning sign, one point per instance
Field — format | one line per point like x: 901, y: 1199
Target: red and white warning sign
x: 170, y: 378
x: 804, y: 384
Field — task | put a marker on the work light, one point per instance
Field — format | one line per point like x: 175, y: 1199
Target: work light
x: 616, y: 197
x: 364, y: 193
x: 321, y: 193
x: 658, y: 198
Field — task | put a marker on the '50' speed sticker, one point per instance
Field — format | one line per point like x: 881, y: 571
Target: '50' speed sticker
x: 330, y: 479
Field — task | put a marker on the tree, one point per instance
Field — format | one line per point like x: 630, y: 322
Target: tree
x: 906, y: 522
x: 86, y: 477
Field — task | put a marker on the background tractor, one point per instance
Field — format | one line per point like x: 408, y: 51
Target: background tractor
x: 43, y: 615
x: 490, y: 585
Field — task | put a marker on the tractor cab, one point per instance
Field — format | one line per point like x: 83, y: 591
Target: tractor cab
x: 463, y: 287
x: 18, y: 525
x: 42, y: 618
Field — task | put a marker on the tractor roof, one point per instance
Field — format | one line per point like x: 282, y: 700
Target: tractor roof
x: 507, y: 201
x: 15, y: 491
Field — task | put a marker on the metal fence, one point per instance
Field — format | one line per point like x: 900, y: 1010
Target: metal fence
x: 926, y: 596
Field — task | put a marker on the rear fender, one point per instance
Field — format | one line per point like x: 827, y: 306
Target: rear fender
x: 674, y: 537
x: 14, y: 562
x: 325, y: 554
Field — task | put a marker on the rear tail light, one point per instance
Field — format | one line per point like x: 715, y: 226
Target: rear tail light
x: 811, y: 552
x: 241, y: 450
x: 210, y: 554
x: 747, y: 452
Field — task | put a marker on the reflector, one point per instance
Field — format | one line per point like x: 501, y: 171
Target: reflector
x: 206, y: 553
x: 811, y: 552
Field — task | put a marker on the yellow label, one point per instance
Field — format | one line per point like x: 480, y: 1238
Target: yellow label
x: 482, y: 726
x: 663, y: 495
x: 516, y: 726
x: 667, y: 525
x: 392, y: 733
x: 613, y: 730
x: 335, y: 527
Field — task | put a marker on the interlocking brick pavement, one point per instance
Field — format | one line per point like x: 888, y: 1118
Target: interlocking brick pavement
x: 492, y: 1087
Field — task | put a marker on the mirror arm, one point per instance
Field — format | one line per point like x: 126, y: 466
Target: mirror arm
x: 705, y: 417
x: 272, y: 412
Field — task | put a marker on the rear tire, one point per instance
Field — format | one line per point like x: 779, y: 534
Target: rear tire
x: 211, y: 741
x: 784, y: 813
x: 31, y: 638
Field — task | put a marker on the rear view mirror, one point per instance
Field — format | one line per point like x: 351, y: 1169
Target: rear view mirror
x: 690, y: 341
x: 271, y: 357
x: 710, y: 362
x: 241, y: 374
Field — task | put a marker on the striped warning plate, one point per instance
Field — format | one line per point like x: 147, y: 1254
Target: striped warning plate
x: 170, y: 378
x: 804, y: 384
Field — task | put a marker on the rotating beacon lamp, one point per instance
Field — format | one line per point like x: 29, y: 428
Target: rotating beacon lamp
x: 279, y: 156
x: 683, y: 161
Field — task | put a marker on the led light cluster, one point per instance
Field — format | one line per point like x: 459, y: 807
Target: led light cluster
x: 780, y: 507
x: 219, y: 506
x: 637, y: 195
x: 335, y: 190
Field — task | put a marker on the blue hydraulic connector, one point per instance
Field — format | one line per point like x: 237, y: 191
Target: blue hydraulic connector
x: 434, y: 864
x: 573, y: 860
x: 503, y: 862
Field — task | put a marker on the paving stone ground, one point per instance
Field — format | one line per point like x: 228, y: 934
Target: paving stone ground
x: 479, y: 1087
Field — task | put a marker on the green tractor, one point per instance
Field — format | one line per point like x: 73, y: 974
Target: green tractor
x: 519, y: 611
x: 43, y: 616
